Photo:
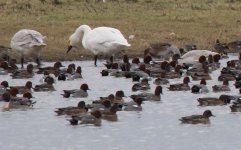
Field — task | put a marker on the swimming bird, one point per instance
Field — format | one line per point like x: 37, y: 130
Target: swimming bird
x: 134, y: 105
x: 28, y: 42
x: 72, y: 110
x: 17, y: 102
x: 4, y: 53
x: 221, y: 88
x: 180, y: 86
x: 100, y: 40
x: 162, y: 50
x: 23, y: 89
x: 82, y: 92
x: 94, y: 118
x: 46, y: 86
x: 213, y: 101
x: 156, y: 96
x: 197, y: 119
x: 23, y: 74
x: 200, y: 88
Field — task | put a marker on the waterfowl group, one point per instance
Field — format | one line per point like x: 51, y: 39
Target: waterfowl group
x: 163, y: 64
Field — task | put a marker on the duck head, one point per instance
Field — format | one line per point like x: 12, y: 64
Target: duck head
x: 30, y: 68
x: 81, y: 104
x: 84, y: 87
x: 96, y: 114
x: 120, y: 94
x: 186, y: 80
x: 27, y: 95
x: 5, y: 84
x: 158, y: 90
x: 135, y: 60
x: 203, y: 81
x: 208, y: 113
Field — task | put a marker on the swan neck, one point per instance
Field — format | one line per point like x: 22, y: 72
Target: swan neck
x: 83, y: 29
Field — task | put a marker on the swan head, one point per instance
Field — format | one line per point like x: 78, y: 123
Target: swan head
x: 73, y: 42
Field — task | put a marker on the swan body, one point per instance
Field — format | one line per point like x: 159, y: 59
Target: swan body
x: 193, y: 56
x: 100, y: 41
x: 28, y: 42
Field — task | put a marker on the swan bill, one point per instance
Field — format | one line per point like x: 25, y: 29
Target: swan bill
x: 69, y: 48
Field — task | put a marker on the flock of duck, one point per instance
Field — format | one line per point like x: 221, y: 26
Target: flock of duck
x: 161, y: 63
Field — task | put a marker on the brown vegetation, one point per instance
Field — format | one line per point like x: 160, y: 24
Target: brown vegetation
x: 174, y: 21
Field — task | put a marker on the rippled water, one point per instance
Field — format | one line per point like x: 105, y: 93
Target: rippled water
x: 156, y: 127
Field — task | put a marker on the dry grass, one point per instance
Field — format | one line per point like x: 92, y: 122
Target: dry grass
x: 191, y: 21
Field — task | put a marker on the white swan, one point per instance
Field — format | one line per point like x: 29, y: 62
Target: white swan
x: 193, y: 56
x: 28, y: 42
x: 100, y: 41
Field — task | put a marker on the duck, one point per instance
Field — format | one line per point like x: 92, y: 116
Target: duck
x: 17, y: 102
x: 125, y: 65
x: 235, y: 45
x: 200, y: 88
x: 143, y: 85
x: 134, y: 105
x: 106, y: 41
x: 23, y: 89
x: 199, y: 66
x: 3, y: 87
x: 213, y: 62
x: 47, y: 86
x: 156, y: 96
x: 72, y: 110
x: 22, y: 74
x: 50, y: 69
x: 82, y: 92
x: 104, y: 73
x: 213, y: 101
x: 103, y: 106
x: 181, y: 86
x: 94, y: 118
x: 161, y: 81
x: 24, y: 99
x: 235, y: 108
x: 110, y: 98
x: 77, y: 74
x: 28, y: 42
x: 177, y: 73
x: 189, y: 47
x: 110, y: 114
x: 203, y: 74
x: 4, y: 68
x: 221, y: 88
x: 118, y: 100
x: 4, y: 53
x: 162, y: 50
x: 142, y: 71
x: 220, y: 47
x: 198, y: 119
x: 228, y: 77
x: 46, y: 76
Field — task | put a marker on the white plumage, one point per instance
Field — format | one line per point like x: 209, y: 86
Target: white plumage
x: 100, y: 41
x: 193, y: 56
x: 28, y: 42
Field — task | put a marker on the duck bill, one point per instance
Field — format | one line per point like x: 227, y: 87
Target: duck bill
x: 69, y: 48
x: 213, y: 116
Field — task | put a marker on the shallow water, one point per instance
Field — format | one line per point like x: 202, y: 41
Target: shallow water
x: 156, y: 127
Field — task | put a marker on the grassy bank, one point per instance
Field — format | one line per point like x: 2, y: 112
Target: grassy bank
x: 174, y: 21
